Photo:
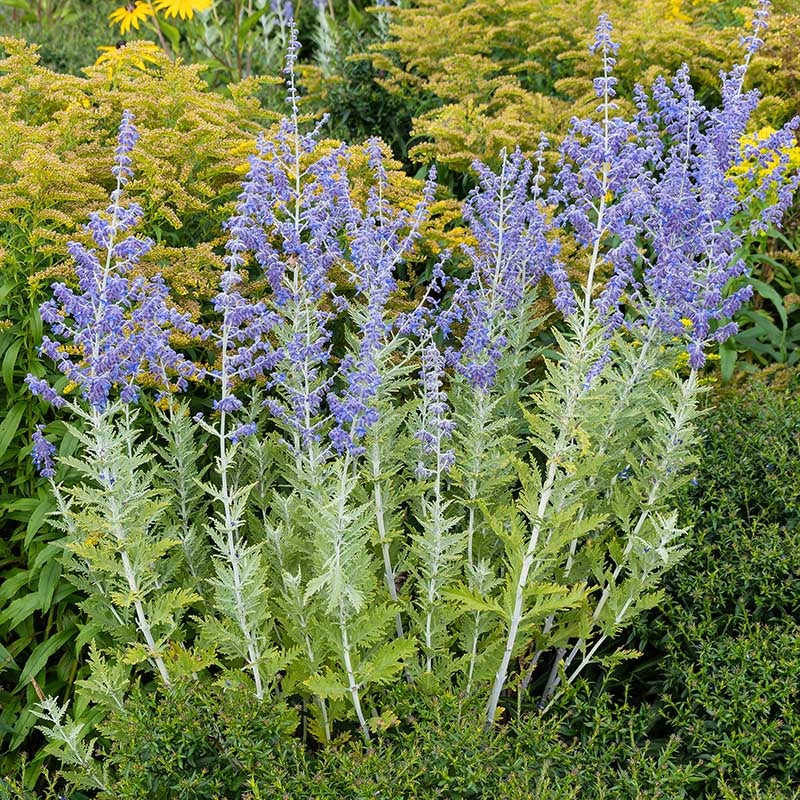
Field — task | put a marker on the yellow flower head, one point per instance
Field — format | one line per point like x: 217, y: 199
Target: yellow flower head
x: 186, y: 8
x: 740, y: 170
x: 137, y: 53
x: 130, y: 14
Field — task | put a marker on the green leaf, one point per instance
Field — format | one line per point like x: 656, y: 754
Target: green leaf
x: 7, y: 660
x: 50, y: 551
x: 12, y: 584
x: 250, y: 22
x: 326, y: 685
x: 22, y: 5
x: 768, y: 292
x: 41, y: 653
x: 20, y: 609
x: 727, y: 360
x: 171, y: 32
x: 470, y: 600
x: 9, y: 426
x: 9, y: 362
x: 36, y: 520
x: 48, y: 580
x: 384, y: 664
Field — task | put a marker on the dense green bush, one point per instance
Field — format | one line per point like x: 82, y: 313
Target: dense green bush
x: 432, y: 749
x: 217, y: 743
x: 722, y: 655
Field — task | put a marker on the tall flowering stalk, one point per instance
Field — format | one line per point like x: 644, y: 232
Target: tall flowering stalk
x: 113, y: 331
x: 298, y: 222
x: 653, y: 199
x: 439, y: 545
x: 513, y: 251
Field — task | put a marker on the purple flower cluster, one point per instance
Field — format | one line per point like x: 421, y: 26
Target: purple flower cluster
x: 603, y: 180
x: 754, y: 41
x: 379, y: 239
x: 289, y: 218
x: 284, y: 9
x: 115, y: 328
x: 514, y: 249
x: 42, y: 454
x: 436, y: 426
x: 656, y: 196
x: 297, y: 219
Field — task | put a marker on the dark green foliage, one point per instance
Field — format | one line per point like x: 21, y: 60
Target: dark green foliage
x: 209, y: 743
x: 359, y: 107
x: 199, y: 743
x: 204, y: 743
x: 751, y: 454
x: 722, y: 654
x: 736, y: 703
x: 68, y: 37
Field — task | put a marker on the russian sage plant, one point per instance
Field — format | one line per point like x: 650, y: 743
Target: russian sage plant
x: 429, y: 496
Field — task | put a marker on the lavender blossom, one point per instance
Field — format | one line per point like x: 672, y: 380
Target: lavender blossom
x: 513, y: 252
x: 119, y: 325
x: 289, y: 219
x: 42, y: 454
x: 297, y: 220
x: 692, y: 239
x: 656, y: 198
x: 242, y: 432
x: 436, y: 425
x: 754, y: 41
x: 603, y: 185
x: 378, y: 240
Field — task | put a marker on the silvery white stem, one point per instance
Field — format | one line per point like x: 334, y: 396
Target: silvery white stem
x: 389, y: 573
x: 351, y: 678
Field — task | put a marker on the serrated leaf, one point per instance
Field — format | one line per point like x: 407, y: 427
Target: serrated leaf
x: 470, y: 600
x: 386, y: 662
x: 326, y: 685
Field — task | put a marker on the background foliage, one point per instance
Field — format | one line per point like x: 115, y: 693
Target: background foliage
x: 720, y: 653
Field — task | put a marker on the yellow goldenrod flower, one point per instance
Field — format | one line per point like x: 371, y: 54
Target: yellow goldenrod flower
x: 676, y: 11
x: 682, y: 360
x: 738, y: 171
x: 130, y: 14
x: 136, y: 53
x: 185, y: 8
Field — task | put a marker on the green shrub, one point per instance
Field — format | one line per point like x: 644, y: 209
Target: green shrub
x: 723, y: 652
x: 430, y: 749
x: 736, y: 703
x: 198, y: 743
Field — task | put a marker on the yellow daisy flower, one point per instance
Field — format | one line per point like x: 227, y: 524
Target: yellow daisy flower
x: 185, y: 8
x: 130, y: 14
